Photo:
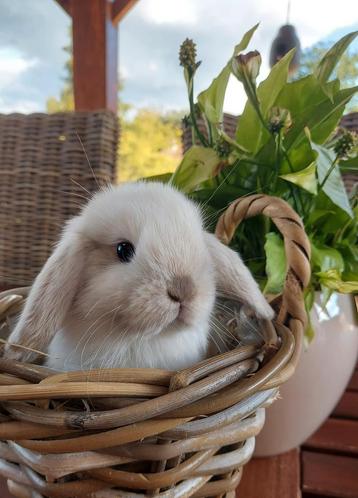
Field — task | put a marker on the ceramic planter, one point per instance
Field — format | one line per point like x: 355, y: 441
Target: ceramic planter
x: 324, y: 371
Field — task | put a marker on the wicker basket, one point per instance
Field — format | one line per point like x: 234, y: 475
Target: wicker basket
x: 49, y: 165
x: 146, y: 432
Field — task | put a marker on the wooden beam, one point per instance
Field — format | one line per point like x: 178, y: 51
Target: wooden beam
x: 120, y: 9
x: 95, y: 55
x: 66, y: 5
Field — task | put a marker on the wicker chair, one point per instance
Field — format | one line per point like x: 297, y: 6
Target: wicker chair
x: 350, y: 121
x: 48, y: 165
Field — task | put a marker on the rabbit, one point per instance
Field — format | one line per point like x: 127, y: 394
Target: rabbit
x: 132, y: 283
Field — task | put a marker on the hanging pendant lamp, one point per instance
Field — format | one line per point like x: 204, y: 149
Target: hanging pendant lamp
x: 285, y: 40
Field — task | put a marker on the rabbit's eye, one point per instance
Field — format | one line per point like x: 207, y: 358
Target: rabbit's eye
x: 125, y: 251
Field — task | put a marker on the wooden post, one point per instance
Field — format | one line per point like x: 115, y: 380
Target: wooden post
x: 95, y: 51
x: 95, y: 56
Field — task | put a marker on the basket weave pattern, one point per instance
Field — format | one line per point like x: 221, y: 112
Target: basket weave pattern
x: 146, y: 432
x: 42, y: 168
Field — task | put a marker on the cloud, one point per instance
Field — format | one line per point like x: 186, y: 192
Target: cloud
x: 32, y: 59
x: 149, y: 39
x: 23, y: 106
x: 151, y: 33
x: 13, y: 64
x: 162, y: 12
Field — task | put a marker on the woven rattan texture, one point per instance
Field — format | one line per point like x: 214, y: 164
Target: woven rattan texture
x: 42, y: 165
x: 350, y: 121
x: 146, y: 432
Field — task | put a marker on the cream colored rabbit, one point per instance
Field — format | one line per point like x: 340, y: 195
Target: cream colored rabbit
x: 132, y: 283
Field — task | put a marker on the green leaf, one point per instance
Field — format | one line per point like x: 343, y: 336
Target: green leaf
x: 327, y: 114
x: 242, y: 45
x: 187, y: 79
x: 251, y: 133
x: 300, y: 156
x: 331, y: 58
x: 334, y: 187
x: 275, y: 263
x: 323, y: 117
x: 309, y: 333
x: 333, y: 281
x: 350, y: 254
x: 270, y: 88
x: 300, y: 95
x: 306, y: 178
x: 163, y: 178
x: 326, y: 258
x: 232, y: 142
x: 310, y: 107
x: 318, y: 214
x: 309, y: 297
x: 211, y: 100
x: 198, y: 164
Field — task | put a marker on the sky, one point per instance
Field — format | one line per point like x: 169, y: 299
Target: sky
x: 32, y: 59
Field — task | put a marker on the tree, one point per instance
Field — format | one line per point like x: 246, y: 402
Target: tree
x: 149, y: 145
x: 346, y: 71
x: 66, y: 99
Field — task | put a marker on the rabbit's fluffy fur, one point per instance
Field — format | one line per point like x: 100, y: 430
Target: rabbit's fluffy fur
x: 90, y: 310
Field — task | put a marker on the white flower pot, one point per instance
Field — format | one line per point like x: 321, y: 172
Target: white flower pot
x: 322, y: 375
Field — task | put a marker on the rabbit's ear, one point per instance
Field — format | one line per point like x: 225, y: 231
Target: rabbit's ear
x: 50, y: 297
x: 234, y: 279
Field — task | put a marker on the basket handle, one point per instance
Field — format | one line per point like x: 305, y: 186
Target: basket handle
x: 297, y: 247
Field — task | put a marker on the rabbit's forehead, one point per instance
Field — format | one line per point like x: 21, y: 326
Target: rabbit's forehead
x: 150, y: 214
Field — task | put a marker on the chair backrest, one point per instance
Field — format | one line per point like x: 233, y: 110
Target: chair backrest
x: 44, y: 175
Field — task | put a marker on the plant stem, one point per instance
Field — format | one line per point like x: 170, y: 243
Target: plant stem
x: 296, y: 194
x: 278, y: 149
x: 193, y: 118
x: 339, y: 234
x: 333, y: 165
x: 210, y: 133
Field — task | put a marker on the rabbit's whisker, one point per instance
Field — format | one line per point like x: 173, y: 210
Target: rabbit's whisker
x: 82, y: 187
x: 87, y: 159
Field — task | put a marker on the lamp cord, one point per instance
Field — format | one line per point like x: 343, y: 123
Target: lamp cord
x: 288, y: 11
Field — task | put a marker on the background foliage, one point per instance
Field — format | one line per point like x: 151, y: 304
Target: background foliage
x: 346, y: 71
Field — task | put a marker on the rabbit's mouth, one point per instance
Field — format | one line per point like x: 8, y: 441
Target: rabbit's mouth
x: 183, y: 319
x: 184, y: 316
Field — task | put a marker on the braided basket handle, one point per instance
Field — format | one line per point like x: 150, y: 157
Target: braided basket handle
x: 297, y: 246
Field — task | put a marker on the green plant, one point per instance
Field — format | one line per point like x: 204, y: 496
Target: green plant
x: 286, y: 144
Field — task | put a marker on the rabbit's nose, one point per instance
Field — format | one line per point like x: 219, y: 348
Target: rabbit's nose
x: 181, y: 288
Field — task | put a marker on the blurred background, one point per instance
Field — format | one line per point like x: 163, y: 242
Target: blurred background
x: 36, y: 61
